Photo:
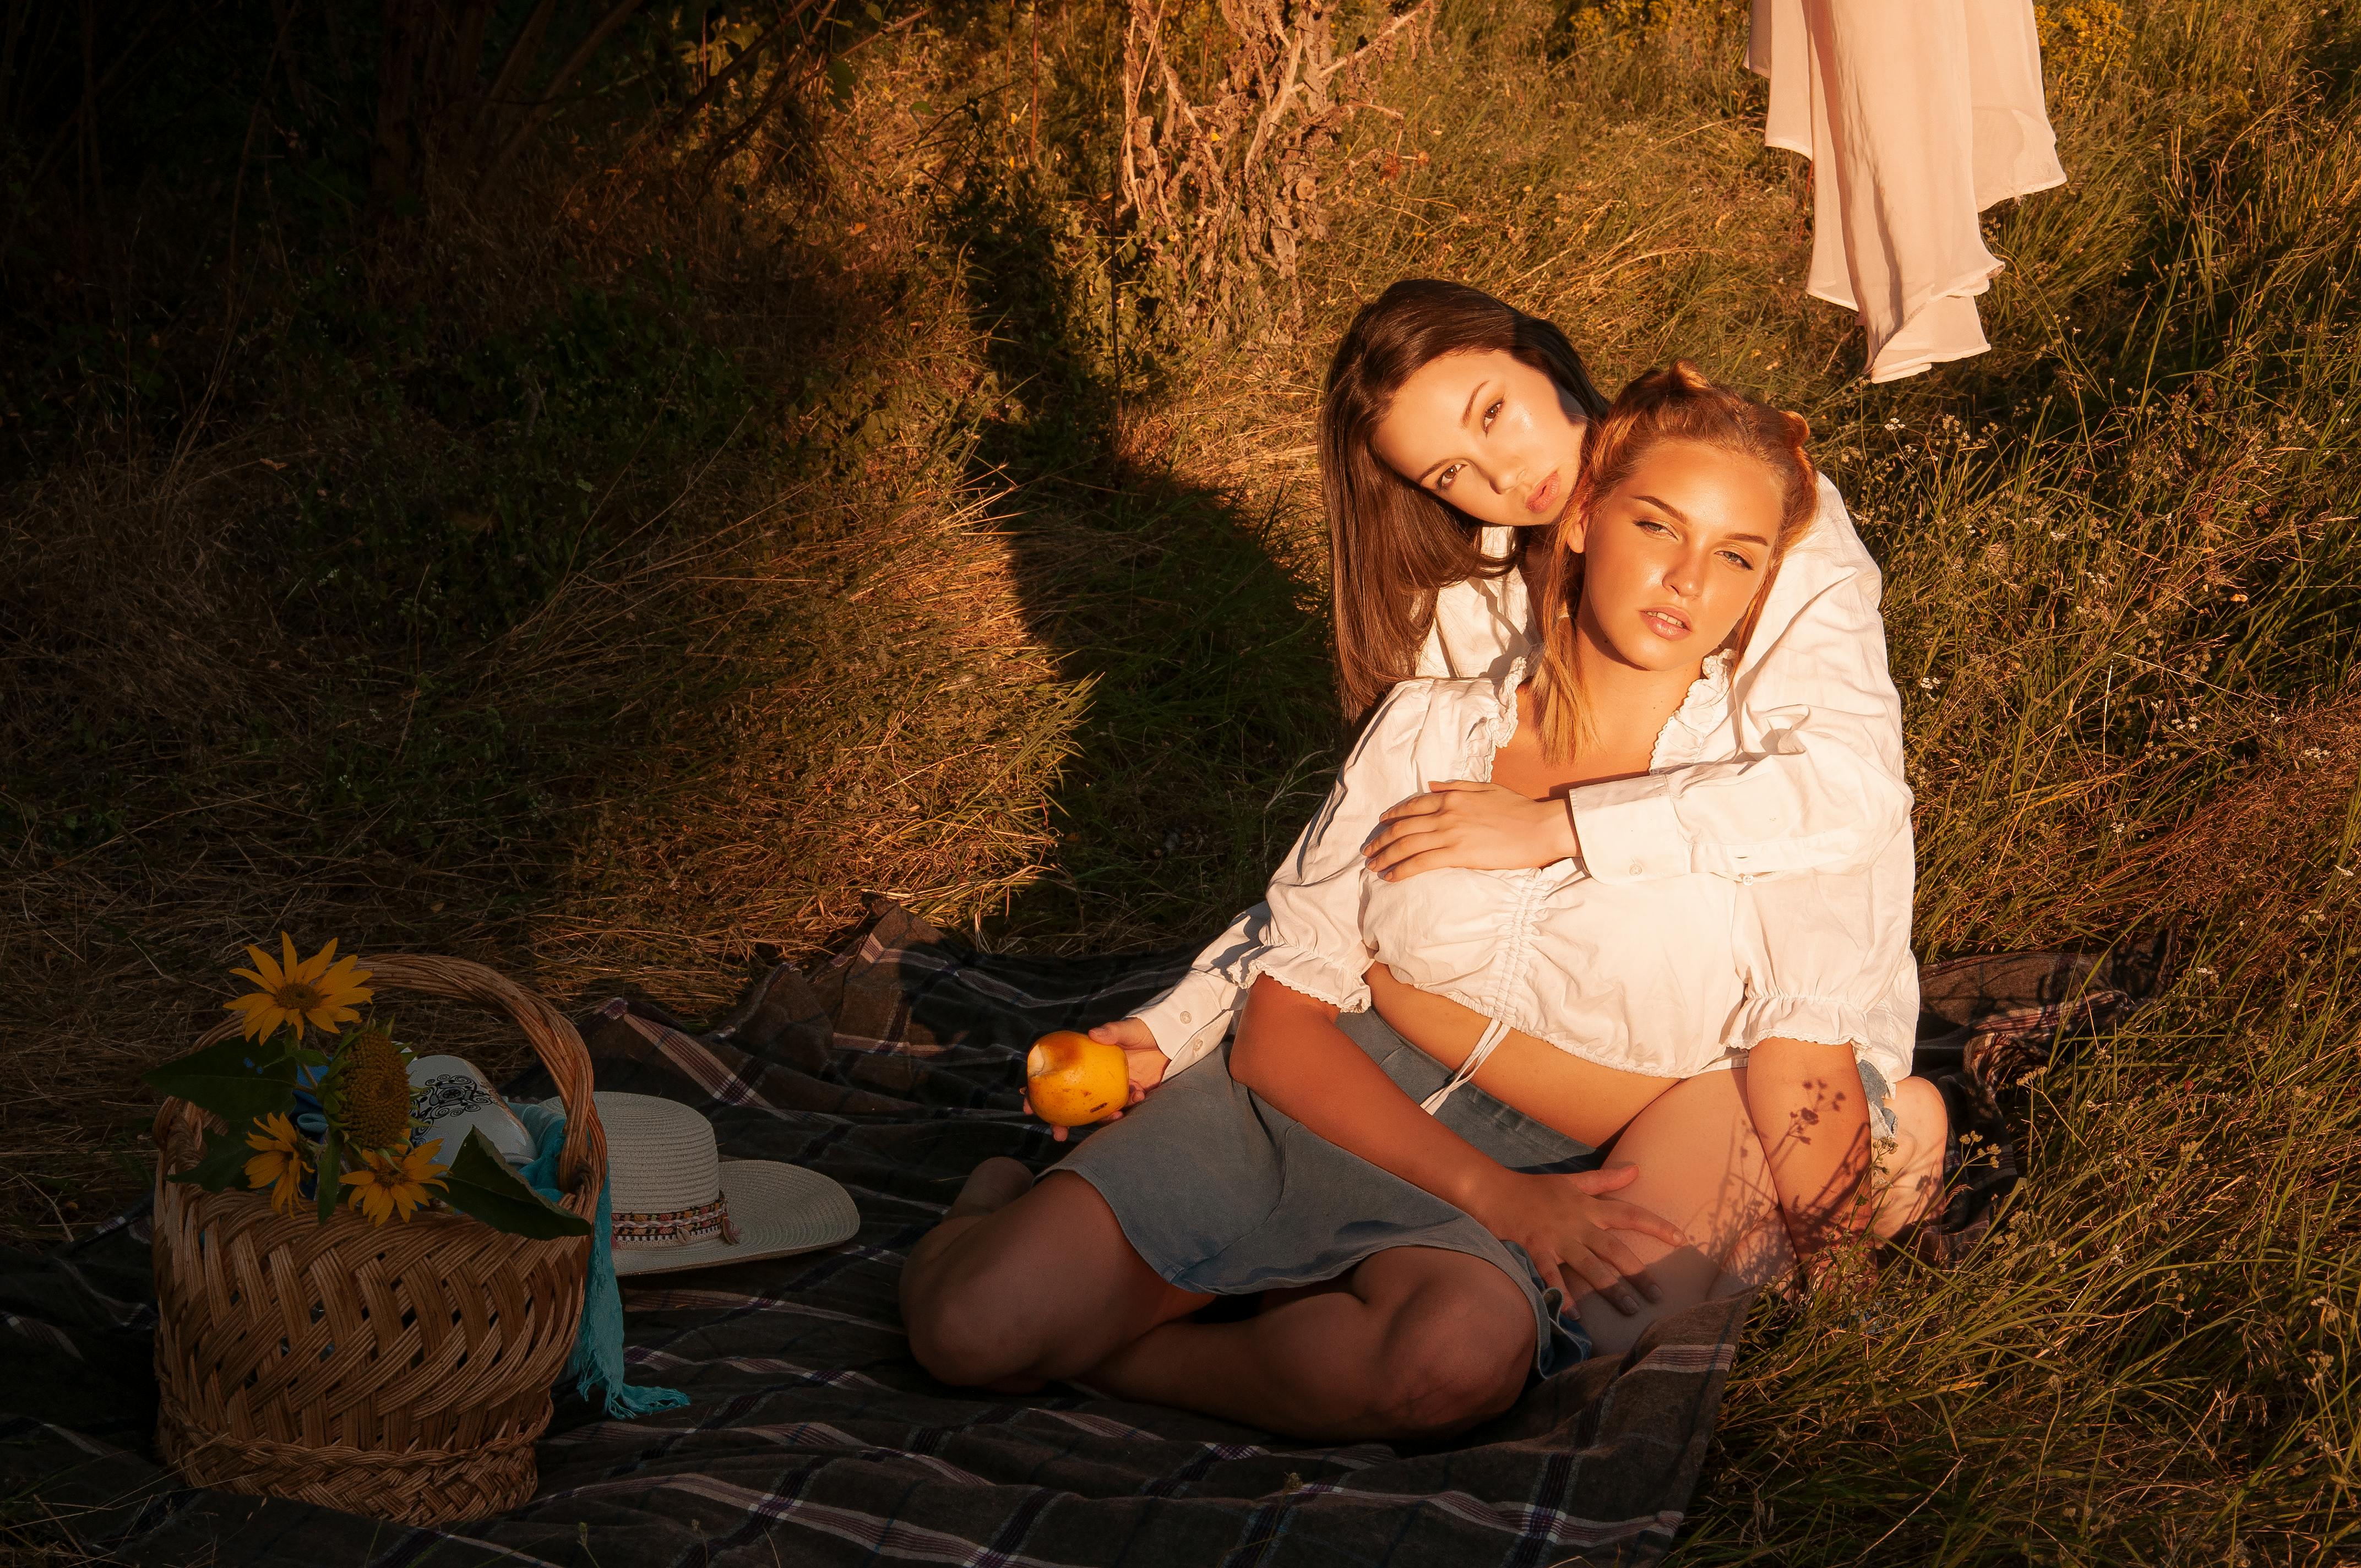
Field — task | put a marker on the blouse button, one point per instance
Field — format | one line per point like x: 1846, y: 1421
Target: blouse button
x: 1638, y: 867
x: 1184, y: 1018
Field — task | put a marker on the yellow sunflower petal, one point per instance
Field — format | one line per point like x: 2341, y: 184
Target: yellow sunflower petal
x: 250, y: 974
x: 287, y: 962
x: 273, y: 1131
x: 345, y: 980
x: 261, y: 1018
x: 270, y: 976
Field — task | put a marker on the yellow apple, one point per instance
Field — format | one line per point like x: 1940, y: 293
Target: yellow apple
x: 1073, y: 1079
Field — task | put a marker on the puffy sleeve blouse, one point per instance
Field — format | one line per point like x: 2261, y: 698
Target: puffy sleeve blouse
x: 1810, y: 776
x: 1670, y: 976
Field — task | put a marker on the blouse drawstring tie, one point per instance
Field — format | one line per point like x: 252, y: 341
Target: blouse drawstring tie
x: 1494, y: 1032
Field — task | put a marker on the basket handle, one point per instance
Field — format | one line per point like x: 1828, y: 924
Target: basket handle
x: 583, y: 1164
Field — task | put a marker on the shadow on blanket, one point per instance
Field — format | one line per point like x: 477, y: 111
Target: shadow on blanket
x: 813, y: 1437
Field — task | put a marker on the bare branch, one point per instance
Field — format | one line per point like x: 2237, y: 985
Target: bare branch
x: 617, y: 15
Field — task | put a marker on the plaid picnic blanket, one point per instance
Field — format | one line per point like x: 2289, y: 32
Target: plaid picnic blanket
x: 813, y: 1437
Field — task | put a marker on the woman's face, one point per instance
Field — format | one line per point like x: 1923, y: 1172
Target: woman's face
x: 1674, y: 555
x: 1487, y: 433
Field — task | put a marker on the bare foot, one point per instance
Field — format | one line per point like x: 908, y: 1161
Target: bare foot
x: 995, y: 1184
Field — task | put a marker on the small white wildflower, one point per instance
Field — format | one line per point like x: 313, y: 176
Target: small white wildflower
x: 1894, y: 425
x: 1925, y: 682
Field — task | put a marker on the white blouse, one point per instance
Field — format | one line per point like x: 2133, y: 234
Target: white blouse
x: 1809, y: 777
x: 1670, y: 978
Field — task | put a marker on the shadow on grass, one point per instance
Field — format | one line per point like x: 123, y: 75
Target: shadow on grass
x: 1211, y: 725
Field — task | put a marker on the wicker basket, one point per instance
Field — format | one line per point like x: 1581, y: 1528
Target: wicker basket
x: 401, y: 1371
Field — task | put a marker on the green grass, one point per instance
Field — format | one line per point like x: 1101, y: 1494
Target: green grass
x: 617, y: 581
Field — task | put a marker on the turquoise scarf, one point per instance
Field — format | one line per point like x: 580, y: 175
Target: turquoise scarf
x: 597, y: 1361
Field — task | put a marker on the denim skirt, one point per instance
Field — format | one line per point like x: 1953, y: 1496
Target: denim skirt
x: 1221, y: 1192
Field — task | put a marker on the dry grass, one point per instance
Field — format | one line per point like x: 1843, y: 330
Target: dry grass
x: 855, y: 557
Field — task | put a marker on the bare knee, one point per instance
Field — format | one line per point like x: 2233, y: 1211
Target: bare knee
x: 1043, y: 1287
x: 1451, y: 1362
x: 1912, y: 1173
x: 972, y: 1322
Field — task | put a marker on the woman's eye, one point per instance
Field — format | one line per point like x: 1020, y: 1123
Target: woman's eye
x: 1442, y: 480
x: 1735, y: 559
x: 1493, y: 412
x: 1650, y: 525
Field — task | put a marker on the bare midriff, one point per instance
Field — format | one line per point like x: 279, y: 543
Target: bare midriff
x: 1584, y: 1099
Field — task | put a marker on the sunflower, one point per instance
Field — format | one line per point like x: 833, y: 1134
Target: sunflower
x: 375, y: 1092
x: 387, y: 1183
x: 280, y: 1164
x: 310, y: 992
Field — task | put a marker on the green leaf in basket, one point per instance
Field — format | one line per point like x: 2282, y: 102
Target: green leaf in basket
x: 238, y: 1081
x: 480, y: 1183
x: 332, y: 1171
x: 224, y: 1165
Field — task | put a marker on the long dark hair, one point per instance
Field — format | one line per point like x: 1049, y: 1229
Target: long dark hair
x: 1392, y: 545
x: 1675, y: 404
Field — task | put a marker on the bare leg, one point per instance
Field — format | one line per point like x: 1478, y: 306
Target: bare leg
x: 1415, y: 1342
x: 989, y: 1187
x: 1701, y: 1167
x: 1812, y: 1115
x: 1910, y: 1174
x: 1014, y: 1288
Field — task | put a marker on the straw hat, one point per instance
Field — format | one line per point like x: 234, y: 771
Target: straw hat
x: 677, y: 1205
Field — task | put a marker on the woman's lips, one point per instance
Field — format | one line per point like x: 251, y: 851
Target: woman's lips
x: 1543, y: 495
x: 1670, y: 625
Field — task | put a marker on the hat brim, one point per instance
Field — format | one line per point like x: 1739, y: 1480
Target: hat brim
x: 778, y: 1209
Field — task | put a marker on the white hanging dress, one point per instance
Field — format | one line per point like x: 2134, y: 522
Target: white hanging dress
x: 1916, y: 114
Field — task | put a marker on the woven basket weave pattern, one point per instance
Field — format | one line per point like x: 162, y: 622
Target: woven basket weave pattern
x: 399, y: 1370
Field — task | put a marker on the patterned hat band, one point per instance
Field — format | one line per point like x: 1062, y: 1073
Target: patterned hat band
x: 677, y: 1226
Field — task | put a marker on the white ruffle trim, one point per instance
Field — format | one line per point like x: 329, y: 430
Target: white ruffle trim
x: 1703, y: 708
x: 1817, y: 1020
x: 1499, y: 726
x: 1681, y: 742
x: 1308, y: 975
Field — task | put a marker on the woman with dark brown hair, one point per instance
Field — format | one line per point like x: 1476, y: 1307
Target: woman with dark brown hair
x: 1399, y: 1154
